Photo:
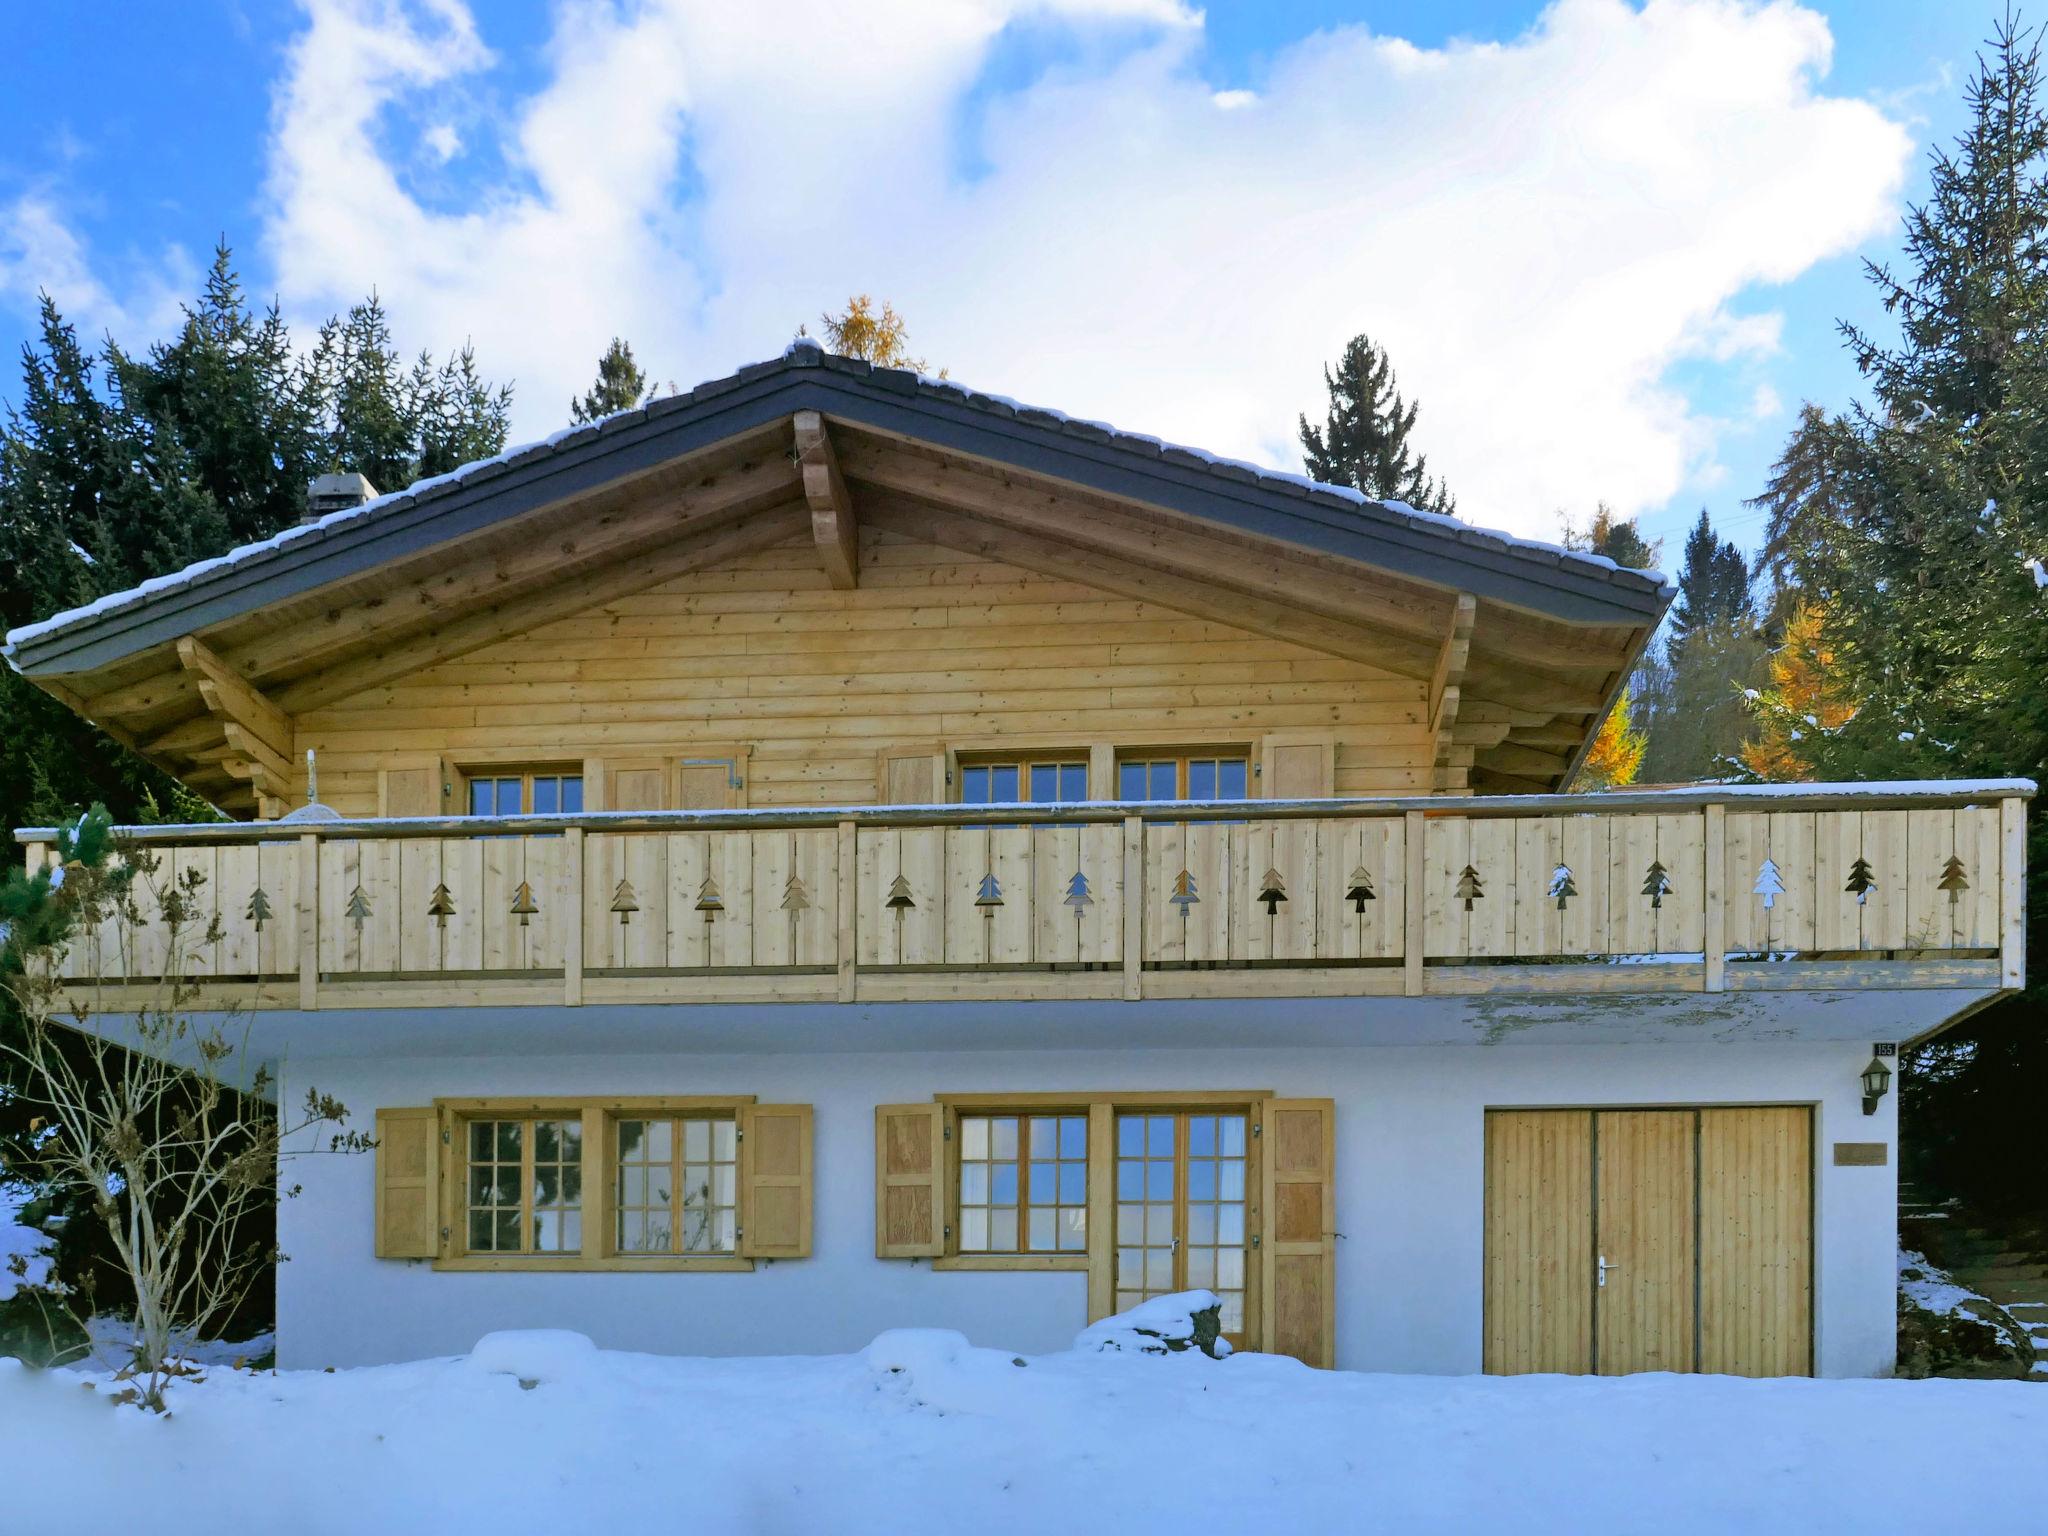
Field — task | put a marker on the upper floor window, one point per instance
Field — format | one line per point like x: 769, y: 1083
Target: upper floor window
x: 525, y: 791
x: 1039, y: 781
x: 1183, y: 776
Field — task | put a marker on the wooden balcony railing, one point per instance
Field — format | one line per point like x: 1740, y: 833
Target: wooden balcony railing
x: 1837, y: 885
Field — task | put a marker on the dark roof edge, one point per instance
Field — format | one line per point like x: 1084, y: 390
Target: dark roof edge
x: 1441, y: 551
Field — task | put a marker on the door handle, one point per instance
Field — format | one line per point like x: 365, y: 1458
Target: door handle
x: 1604, y: 1267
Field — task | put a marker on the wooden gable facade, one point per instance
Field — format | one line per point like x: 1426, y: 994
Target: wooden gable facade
x: 818, y: 583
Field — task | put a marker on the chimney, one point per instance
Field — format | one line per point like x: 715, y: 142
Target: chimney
x: 336, y: 493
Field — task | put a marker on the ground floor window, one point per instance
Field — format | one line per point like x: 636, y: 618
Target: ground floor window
x: 1024, y: 1183
x: 624, y: 1183
x: 678, y: 1184
x: 1149, y: 1193
x: 525, y: 1183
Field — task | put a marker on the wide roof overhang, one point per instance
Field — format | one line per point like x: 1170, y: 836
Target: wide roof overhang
x: 1539, y: 640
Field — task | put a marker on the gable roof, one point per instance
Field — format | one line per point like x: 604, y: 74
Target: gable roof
x: 1570, y: 585
x: 204, y: 669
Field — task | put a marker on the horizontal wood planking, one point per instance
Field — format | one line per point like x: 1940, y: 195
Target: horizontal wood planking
x: 933, y: 645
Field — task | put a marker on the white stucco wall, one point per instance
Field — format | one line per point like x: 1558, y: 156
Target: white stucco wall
x: 1409, y: 1198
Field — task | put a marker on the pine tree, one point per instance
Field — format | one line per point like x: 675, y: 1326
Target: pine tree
x: 1363, y: 442
x: 1713, y: 586
x: 620, y: 386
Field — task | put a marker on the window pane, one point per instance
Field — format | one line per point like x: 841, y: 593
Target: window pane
x: 974, y: 1229
x: 973, y: 1136
x: 1073, y: 782
x: 546, y: 796
x: 572, y: 793
x: 1043, y: 1222
x: 1002, y: 786
x: 1045, y: 783
x: 1003, y: 1137
x: 508, y: 1140
x: 974, y: 786
x: 1201, y: 779
x: 1230, y: 779
x: 1002, y: 1228
x: 1073, y: 1136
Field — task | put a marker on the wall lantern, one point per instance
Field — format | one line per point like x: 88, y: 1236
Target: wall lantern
x: 1877, y: 1078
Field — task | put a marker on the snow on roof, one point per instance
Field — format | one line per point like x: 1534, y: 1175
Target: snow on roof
x: 806, y: 352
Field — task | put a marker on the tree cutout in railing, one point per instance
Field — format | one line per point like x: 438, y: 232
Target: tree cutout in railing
x: 1359, y: 890
x: 709, y: 902
x: 1656, y: 884
x: 1469, y: 889
x: 440, y: 906
x: 1953, y: 879
x: 1080, y: 898
x: 990, y: 894
x: 259, y: 908
x: 899, y: 898
x: 1272, y: 891
x: 625, y: 901
x: 795, y: 896
x: 1769, y: 883
x: 358, y: 909
x: 1185, y: 894
x: 1862, y: 881
x: 1561, y: 889
x: 523, y: 904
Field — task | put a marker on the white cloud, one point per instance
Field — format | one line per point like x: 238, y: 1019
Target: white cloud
x: 1538, y: 229
x: 41, y: 253
x: 441, y: 142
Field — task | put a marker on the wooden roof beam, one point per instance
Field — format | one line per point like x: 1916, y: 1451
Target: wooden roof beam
x: 1444, y: 682
x: 234, y: 701
x: 834, y: 527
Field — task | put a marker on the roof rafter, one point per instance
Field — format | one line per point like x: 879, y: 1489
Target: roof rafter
x: 834, y: 525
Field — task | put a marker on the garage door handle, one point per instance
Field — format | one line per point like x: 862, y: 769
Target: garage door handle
x: 1604, y: 1267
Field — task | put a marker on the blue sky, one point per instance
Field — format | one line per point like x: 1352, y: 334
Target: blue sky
x: 536, y: 178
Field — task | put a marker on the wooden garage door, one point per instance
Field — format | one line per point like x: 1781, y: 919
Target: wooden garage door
x: 1649, y: 1240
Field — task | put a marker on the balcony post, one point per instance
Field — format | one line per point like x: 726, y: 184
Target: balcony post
x: 849, y: 899
x: 1412, y: 901
x: 2012, y: 893
x: 1134, y: 908
x: 1715, y: 856
x: 572, y: 936
x: 309, y: 922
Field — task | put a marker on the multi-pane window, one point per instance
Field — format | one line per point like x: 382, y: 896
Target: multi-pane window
x: 525, y: 1186
x: 515, y: 792
x: 678, y: 1185
x: 1181, y: 1206
x: 1039, y: 782
x: 1024, y: 1183
x: 1182, y: 776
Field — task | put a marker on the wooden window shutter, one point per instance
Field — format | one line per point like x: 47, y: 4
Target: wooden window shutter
x: 1298, y: 1251
x: 911, y: 776
x: 634, y: 784
x: 408, y: 1183
x: 910, y: 1169
x: 775, y: 1181
x: 1297, y: 768
x: 410, y: 789
x: 707, y: 786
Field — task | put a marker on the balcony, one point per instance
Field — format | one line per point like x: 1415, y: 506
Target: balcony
x: 1817, y: 888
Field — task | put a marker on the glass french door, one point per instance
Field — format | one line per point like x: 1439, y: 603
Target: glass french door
x: 1181, y: 1208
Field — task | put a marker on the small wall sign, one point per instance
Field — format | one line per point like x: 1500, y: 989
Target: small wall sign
x: 1862, y: 1154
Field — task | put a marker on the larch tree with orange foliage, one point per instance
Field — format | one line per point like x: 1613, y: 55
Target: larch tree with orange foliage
x: 1616, y: 756
x: 1803, y: 701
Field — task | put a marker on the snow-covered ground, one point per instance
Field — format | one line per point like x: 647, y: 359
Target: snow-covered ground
x: 921, y: 1432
